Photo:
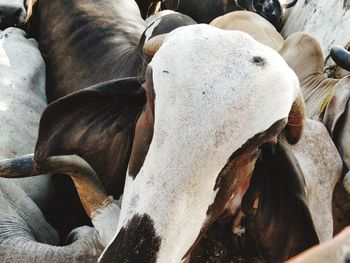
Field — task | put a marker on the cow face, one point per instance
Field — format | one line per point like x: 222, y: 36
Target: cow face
x: 15, y: 12
x: 206, y: 116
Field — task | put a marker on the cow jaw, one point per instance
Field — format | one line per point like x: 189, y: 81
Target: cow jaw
x: 212, y: 108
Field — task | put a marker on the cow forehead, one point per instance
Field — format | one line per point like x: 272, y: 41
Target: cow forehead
x: 206, y: 74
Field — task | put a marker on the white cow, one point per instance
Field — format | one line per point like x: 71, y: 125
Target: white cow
x: 209, y: 110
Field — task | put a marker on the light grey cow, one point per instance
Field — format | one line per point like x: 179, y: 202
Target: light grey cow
x: 25, y: 235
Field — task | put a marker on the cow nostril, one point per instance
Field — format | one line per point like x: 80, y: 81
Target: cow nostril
x: 17, y: 12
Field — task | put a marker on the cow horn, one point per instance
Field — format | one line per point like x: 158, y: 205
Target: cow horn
x: 341, y: 57
x: 152, y: 45
x: 291, y: 4
x: 246, y: 4
x: 29, y: 4
x: 295, y: 125
x: 90, y: 189
x: 154, y: 8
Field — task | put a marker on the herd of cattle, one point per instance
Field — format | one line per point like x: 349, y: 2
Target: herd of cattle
x: 166, y: 127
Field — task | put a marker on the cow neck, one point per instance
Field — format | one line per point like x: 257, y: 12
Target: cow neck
x: 317, y: 91
x: 87, y: 42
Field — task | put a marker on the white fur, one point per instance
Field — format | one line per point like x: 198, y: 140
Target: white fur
x: 322, y: 166
x: 105, y: 221
x: 210, y: 99
x: 149, y: 30
x: 22, y: 100
x: 326, y: 20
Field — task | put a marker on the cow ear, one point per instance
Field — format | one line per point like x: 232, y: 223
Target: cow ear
x: 278, y: 218
x: 97, y: 124
x: 337, y: 105
x: 337, y: 118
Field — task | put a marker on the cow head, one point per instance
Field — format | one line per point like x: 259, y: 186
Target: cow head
x: 150, y: 7
x: 15, y: 12
x: 162, y: 23
x: 192, y: 148
x: 211, y: 99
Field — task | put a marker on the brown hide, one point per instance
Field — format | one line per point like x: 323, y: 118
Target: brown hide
x: 88, y: 42
x: 337, y: 118
x: 253, y: 24
x: 143, y: 129
x: 304, y: 55
x: 325, y: 98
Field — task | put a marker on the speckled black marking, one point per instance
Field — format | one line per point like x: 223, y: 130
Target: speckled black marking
x: 136, y: 242
x: 259, y: 61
